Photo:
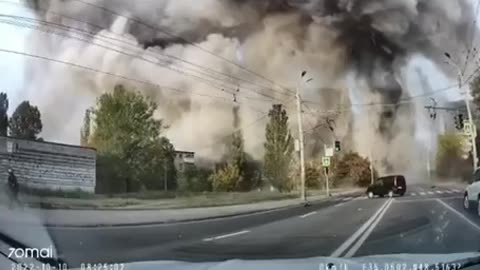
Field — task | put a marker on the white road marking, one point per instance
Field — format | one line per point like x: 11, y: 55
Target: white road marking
x: 459, y: 214
x: 448, y: 191
x: 431, y: 192
x: 308, y: 214
x: 354, y: 236
x: 225, y: 236
x: 456, y: 190
x: 439, y: 192
x: 413, y: 194
x: 423, y: 193
x: 364, y: 237
x: 347, y: 199
x: 340, y: 204
x: 424, y: 199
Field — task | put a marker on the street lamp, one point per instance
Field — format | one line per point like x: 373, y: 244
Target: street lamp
x: 461, y: 85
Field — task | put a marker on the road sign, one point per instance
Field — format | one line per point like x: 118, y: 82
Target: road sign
x: 329, y: 151
x: 467, y: 129
x: 326, y: 161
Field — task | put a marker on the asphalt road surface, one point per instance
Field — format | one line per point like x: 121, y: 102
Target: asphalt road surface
x: 425, y: 220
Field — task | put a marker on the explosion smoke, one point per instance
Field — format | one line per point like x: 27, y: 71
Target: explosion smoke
x: 355, y: 48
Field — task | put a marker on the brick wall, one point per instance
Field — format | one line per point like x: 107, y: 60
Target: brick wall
x: 48, y: 165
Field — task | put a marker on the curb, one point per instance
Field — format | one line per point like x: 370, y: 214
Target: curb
x: 209, y: 218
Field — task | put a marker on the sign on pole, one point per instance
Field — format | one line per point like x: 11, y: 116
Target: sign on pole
x: 326, y: 161
x: 329, y: 151
x: 467, y: 129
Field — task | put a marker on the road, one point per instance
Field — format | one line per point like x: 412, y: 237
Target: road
x: 425, y: 220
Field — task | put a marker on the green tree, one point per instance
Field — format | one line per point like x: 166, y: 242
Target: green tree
x: 352, y: 169
x: 3, y: 114
x: 226, y: 178
x: 26, y: 122
x: 449, y: 160
x: 475, y: 91
x: 278, y: 149
x: 125, y: 129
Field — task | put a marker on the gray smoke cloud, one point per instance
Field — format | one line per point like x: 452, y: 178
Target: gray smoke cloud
x: 352, y: 49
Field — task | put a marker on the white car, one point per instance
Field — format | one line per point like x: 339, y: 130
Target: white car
x: 472, y: 193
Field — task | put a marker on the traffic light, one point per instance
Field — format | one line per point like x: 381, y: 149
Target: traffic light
x: 459, y: 121
x: 337, y: 146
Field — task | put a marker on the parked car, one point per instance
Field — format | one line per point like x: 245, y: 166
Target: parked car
x: 471, y: 197
x: 388, y: 185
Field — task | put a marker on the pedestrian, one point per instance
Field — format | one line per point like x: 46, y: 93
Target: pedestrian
x: 13, y: 187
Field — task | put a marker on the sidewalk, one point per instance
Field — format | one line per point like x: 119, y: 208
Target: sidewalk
x: 97, y: 218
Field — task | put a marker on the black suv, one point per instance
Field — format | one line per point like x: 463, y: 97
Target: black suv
x: 388, y: 185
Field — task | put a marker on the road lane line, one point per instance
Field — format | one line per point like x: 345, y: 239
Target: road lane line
x: 453, y: 210
x: 225, y: 236
x: 423, y: 193
x: 413, y: 194
x: 347, y: 199
x: 308, y: 214
x: 439, y: 192
x: 431, y: 192
x: 364, y: 237
x: 425, y: 199
x: 456, y: 190
x: 354, y: 236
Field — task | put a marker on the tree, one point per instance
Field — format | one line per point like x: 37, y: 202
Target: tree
x: 475, y: 91
x: 226, y: 178
x: 25, y: 122
x: 449, y: 160
x: 3, y: 114
x: 352, y: 169
x: 86, y: 128
x: 278, y: 149
x: 125, y: 129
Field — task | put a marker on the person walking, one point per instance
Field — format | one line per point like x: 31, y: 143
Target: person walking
x: 13, y: 187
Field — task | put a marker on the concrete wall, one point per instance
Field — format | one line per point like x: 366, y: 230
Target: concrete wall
x: 48, y: 165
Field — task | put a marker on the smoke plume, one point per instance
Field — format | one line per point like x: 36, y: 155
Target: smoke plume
x: 354, y: 50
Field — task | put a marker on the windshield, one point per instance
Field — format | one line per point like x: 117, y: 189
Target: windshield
x: 204, y: 131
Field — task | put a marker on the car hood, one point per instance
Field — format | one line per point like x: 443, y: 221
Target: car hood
x: 359, y: 263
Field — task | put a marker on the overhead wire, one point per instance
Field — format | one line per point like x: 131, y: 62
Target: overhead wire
x: 234, y: 91
x: 210, y: 72
x: 123, y: 77
x: 168, y: 33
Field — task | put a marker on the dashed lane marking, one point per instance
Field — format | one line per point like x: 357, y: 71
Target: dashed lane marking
x: 225, y: 236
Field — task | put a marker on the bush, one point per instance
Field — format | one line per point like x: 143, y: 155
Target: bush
x: 314, y: 176
x: 59, y: 193
x: 352, y: 169
x: 226, y: 179
x: 195, y: 179
x: 450, y: 163
x: 112, y: 176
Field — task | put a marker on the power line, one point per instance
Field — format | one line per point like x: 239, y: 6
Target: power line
x: 158, y: 29
x: 123, y: 77
x: 401, y: 101
x: 122, y: 40
x: 206, y: 81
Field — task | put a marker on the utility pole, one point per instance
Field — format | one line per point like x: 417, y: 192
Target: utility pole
x: 302, y: 146
x: 461, y: 85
